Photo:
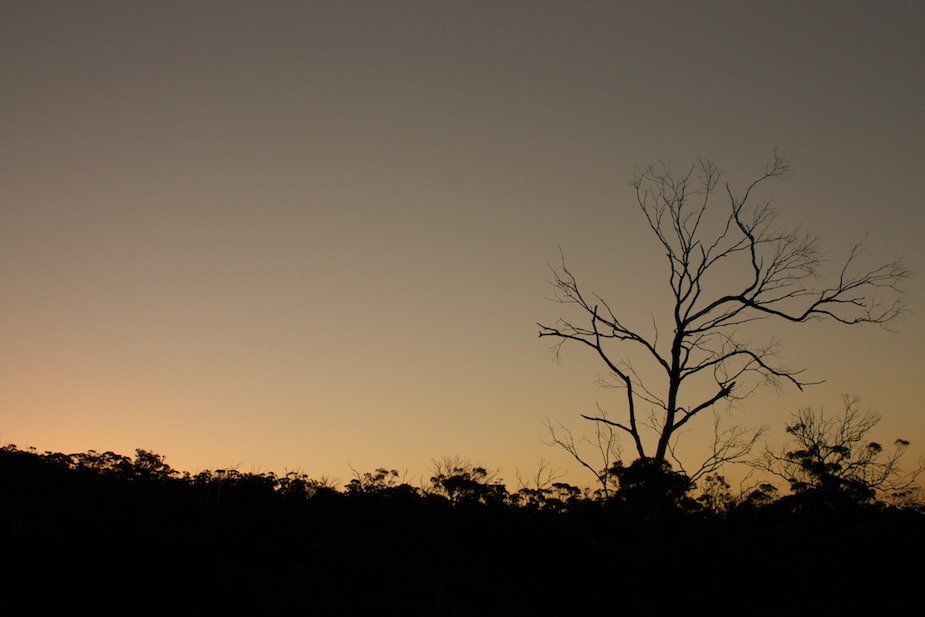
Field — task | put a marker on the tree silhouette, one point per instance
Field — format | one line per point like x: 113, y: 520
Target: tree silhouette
x: 832, y: 462
x: 464, y: 483
x: 727, y: 267
x: 150, y: 465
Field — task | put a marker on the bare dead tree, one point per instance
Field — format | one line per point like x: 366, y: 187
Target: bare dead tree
x: 728, y: 266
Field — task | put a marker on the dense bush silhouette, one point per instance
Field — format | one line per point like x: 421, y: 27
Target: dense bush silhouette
x: 651, y: 487
x: 103, y: 530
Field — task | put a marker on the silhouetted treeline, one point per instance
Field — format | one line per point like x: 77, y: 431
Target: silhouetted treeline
x: 109, y: 532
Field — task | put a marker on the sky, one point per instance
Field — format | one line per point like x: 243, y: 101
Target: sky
x: 316, y: 236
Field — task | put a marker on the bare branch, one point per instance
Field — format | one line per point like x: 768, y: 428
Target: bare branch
x: 730, y: 445
x: 728, y: 266
x: 605, y: 443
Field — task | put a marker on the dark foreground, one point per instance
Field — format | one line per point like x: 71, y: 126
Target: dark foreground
x: 105, y: 533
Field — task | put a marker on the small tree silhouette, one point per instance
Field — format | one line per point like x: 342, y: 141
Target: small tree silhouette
x: 149, y: 465
x: 833, y: 463
x: 464, y: 483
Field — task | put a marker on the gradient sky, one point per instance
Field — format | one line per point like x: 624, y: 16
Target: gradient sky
x: 315, y: 235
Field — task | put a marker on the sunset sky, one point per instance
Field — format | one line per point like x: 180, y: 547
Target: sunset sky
x: 315, y: 235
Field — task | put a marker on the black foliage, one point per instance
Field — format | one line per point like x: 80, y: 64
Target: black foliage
x: 651, y: 488
x: 109, y: 533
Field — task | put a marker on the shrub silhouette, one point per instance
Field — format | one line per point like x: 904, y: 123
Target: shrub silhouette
x: 227, y: 541
x: 649, y: 486
x: 466, y: 484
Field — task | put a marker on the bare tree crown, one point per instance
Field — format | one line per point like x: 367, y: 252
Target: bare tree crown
x: 727, y: 265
